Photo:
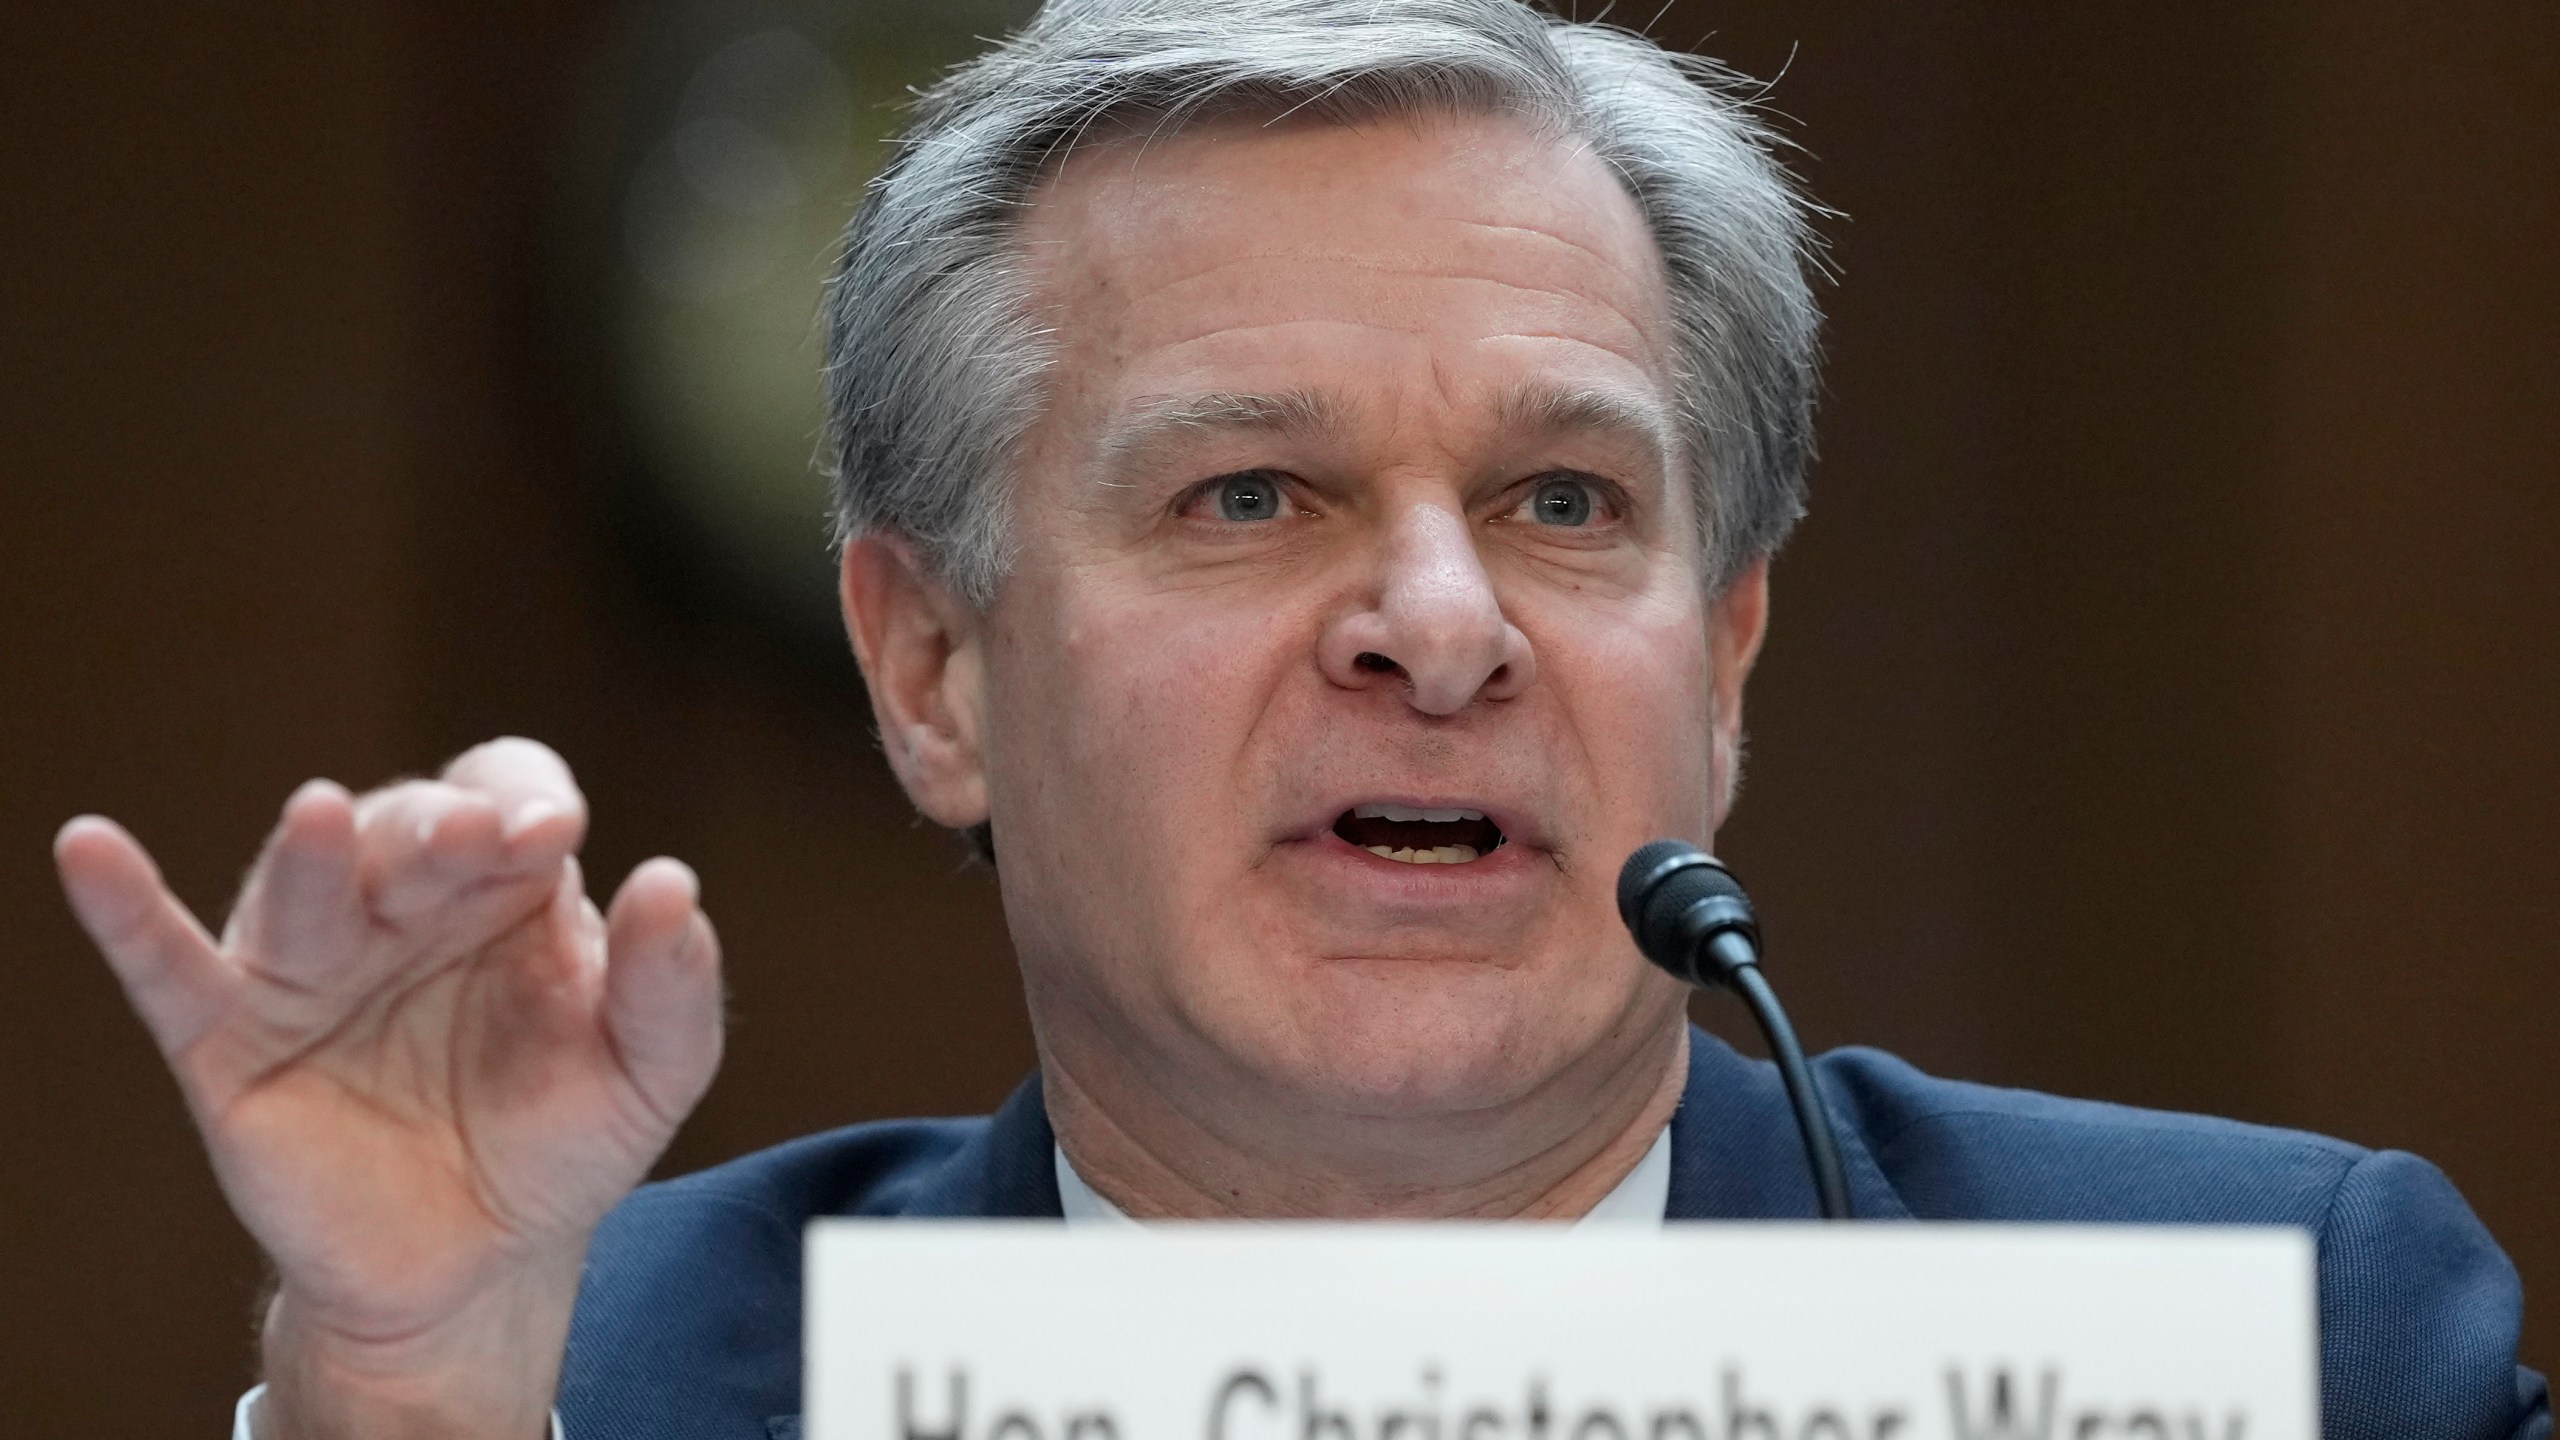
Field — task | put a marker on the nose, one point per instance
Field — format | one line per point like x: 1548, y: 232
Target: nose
x: 1433, y: 623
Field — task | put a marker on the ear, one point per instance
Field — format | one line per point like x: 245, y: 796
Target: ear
x: 1737, y: 621
x: 922, y: 652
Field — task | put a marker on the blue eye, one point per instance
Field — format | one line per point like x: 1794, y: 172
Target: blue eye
x: 1248, y: 497
x: 1561, y: 502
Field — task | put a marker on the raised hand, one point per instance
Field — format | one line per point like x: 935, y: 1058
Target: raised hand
x: 425, y: 1066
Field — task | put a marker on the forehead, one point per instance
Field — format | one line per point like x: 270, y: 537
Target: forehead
x: 1469, y: 252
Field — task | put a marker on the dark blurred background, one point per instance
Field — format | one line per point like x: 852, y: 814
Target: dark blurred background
x: 2161, y: 704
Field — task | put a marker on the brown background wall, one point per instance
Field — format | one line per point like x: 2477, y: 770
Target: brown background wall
x: 2161, y: 706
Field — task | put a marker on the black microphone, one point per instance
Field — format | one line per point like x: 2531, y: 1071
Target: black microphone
x: 1690, y: 917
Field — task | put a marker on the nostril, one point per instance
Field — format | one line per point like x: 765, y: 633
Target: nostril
x: 1375, y: 663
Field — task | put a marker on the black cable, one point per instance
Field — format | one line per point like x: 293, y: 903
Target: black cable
x: 1804, y: 1091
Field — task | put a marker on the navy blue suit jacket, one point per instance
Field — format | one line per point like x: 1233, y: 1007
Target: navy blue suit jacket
x: 688, y: 1327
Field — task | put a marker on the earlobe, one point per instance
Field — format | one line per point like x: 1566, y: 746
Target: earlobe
x: 919, y: 646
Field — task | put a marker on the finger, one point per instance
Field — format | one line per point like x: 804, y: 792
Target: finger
x: 580, y: 929
x: 545, y: 980
x: 662, y: 988
x: 301, y: 918
x: 171, y: 971
x: 422, y: 843
x: 539, y: 800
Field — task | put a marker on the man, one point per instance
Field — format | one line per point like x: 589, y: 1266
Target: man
x: 1307, y: 471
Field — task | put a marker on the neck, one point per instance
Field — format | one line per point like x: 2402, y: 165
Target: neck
x: 1550, y: 1156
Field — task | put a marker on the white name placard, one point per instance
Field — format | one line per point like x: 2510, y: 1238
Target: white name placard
x: 1009, y: 1331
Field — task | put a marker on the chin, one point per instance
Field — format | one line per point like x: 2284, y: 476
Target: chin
x: 1413, y: 1038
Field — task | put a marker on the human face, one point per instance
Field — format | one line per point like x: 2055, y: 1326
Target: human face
x: 1357, y: 486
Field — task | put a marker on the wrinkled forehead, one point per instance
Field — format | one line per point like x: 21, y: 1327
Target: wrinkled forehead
x: 1244, y: 240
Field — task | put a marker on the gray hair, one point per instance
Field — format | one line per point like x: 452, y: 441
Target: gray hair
x: 936, y: 364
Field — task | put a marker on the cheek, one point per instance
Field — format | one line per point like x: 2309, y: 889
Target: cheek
x: 1637, y: 688
x: 1125, y: 717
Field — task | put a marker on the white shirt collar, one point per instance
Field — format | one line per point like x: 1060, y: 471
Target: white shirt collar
x: 1640, y: 1199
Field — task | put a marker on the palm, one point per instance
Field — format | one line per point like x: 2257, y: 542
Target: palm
x: 429, y: 1112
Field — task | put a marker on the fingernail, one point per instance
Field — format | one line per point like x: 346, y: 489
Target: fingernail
x: 530, y: 814
x: 314, y: 786
x: 692, y: 880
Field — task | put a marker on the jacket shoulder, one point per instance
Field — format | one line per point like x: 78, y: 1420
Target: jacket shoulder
x: 871, y: 1169
x: 758, y: 1205
x: 1954, y: 1150
x: 2419, y: 1310
x: 689, y: 1313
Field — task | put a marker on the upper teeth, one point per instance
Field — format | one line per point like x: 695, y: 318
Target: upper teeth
x: 1407, y: 814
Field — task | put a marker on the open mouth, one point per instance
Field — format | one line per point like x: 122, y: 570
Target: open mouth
x: 1419, y: 837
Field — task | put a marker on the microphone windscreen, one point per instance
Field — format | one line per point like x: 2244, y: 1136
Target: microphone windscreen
x: 1659, y: 885
x: 1642, y: 869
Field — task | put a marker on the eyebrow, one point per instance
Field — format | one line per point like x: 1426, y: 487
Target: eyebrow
x: 1531, y: 408
x: 1536, y: 409
x: 1156, y: 419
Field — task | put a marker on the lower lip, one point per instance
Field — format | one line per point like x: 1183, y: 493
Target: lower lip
x: 1349, y: 866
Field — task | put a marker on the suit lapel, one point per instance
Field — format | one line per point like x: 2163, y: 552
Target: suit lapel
x: 1007, y: 1171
